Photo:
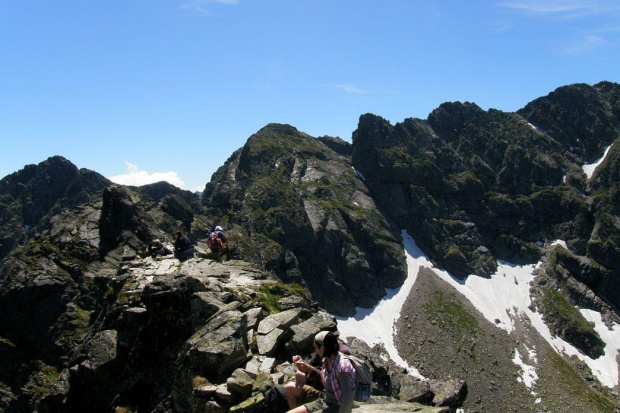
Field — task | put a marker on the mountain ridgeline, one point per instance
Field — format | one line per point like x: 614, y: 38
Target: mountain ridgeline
x: 471, y: 187
x: 318, y: 221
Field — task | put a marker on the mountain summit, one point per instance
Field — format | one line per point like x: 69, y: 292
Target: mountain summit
x: 306, y: 214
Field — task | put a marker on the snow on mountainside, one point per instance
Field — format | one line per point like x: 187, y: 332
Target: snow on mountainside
x: 502, y: 299
x: 589, y: 169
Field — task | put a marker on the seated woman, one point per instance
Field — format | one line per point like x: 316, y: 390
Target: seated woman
x: 308, y: 386
x: 337, y: 376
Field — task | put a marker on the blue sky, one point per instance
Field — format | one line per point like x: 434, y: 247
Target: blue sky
x: 150, y: 90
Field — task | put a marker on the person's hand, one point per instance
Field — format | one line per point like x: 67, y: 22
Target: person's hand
x: 296, y: 359
x: 303, y: 366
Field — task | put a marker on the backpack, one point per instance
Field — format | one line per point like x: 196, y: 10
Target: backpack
x: 275, y: 401
x: 211, y: 241
x: 363, y: 378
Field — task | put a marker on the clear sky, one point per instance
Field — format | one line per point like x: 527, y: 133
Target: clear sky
x: 169, y: 89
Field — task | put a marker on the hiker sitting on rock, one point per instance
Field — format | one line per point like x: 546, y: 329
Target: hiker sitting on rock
x: 183, y: 247
x: 308, y: 394
x: 218, y: 243
x: 157, y: 248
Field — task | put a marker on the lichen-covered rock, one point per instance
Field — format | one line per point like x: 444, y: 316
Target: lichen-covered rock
x: 412, y: 390
x: 241, y: 383
x: 449, y: 392
x: 303, y: 333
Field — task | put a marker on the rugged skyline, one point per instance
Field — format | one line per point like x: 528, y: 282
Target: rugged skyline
x: 176, y: 87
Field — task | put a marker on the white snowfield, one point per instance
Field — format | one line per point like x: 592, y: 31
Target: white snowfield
x: 501, y: 299
x: 589, y: 169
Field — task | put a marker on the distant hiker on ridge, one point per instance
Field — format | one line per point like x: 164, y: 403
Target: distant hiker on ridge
x: 218, y: 243
x: 157, y: 248
x: 183, y: 247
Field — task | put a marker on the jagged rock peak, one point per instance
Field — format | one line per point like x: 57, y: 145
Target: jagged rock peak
x: 34, y: 194
x: 312, y: 215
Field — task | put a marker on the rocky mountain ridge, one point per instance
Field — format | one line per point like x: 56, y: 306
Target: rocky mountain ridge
x: 318, y: 218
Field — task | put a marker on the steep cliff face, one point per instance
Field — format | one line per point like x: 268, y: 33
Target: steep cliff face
x: 474, y: 186
x: 580, y: 117
x: 585, y: 119
x: 299, y: 208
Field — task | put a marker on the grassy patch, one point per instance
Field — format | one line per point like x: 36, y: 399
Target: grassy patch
x: 77, y: 321
x: 575, y: 386
x: 449, y: 314
x: 268, y: 295
x: 41, y: 380
x: 563, y: 313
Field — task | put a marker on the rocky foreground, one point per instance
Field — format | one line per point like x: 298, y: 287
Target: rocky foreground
x: 197, y: 336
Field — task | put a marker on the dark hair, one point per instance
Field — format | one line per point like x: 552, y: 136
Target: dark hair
x: 330, y: 344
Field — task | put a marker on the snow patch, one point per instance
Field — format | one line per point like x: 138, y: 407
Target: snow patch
x: 606, y: 366
x: 502, y: 298
x: 361, y: 175
x: 506, y: 296
x: 589, y: 169
x: 376, y: 325
x: 528, y: 373
x: 559, y: 242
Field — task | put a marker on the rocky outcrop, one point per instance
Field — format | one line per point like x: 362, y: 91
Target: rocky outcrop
x: 560, y: 289
x: 578, y: 116
x: 300, y: 209
x: 174, y: 336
